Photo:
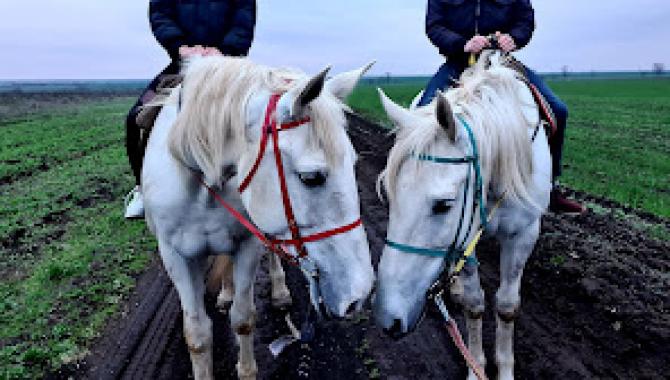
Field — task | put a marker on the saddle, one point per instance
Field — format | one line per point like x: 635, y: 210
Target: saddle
x: 547, y: 116
x: 152, y: 100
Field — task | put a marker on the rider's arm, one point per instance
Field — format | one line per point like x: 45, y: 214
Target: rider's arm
x: 524, y: 23
x: 238, y: 40
x: 448, y: 41
x: 162, y: 14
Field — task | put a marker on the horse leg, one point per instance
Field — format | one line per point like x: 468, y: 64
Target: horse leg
x: 515, y: 250
x: 188, y: 276
x: 243, y: 310
x: 281, y: 296
x: 225, y: 297
x: 473, y: 303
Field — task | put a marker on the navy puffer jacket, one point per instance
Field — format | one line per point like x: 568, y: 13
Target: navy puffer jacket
x: 225, y: 24
x: 451, y: 23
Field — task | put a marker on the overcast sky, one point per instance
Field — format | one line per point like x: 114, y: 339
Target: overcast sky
x: 47, y: 39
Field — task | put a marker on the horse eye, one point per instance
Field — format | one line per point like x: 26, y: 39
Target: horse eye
x: 441, y: 206
x: 313, y: 179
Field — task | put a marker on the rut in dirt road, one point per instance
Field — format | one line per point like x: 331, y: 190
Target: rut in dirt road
x: 595, y: 298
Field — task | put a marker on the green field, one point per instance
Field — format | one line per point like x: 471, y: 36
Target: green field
x: 67, y: 257
x: 618, y: 137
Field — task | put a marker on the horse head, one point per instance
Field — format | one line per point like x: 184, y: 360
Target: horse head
x: 426, y: 201
x: 318, y: 161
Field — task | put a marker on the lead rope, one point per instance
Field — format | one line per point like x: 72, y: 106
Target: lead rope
x: 452, y: 327
x: 456, y: 336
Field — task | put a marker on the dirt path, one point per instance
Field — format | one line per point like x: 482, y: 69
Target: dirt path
x: 595, y: 304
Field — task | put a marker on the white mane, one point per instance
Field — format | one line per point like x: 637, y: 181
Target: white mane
x: 210, y: 127
x: 488, y: 100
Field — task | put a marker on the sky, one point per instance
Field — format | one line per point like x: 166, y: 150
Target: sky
x: 111, y: 39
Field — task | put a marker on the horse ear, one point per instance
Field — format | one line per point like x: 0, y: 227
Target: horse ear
x: 445, y: 116
x: 343, y: 85
x: 311, y: 91
x: 398, y: 115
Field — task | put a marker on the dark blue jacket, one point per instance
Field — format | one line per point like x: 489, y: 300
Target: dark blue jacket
x: 225, y: 24
x: 451, y: 23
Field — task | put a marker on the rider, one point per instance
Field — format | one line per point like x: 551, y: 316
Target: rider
x: 186, y: 28
x: 458, y: 29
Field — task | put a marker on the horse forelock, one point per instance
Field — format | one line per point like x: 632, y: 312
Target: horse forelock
x: 210, y: 127
x: 489, y: 102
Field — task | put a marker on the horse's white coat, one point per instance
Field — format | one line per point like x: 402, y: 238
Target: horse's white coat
x: 501, y: 111
x: 190, y: 225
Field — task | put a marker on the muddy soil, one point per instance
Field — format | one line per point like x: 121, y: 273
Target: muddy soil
x: 595, y: 299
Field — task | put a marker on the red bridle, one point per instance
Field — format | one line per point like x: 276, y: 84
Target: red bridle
x: 270, y: 128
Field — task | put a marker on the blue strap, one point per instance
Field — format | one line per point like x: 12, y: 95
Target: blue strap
x: 451, y: 255
x: 416, y: 250
x: 445, y: 160
x: 478, y: 173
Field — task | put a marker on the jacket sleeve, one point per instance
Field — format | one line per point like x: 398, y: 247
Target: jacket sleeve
x: 448, y: 41
x: 524, y: 23
x: 162, y: 15
x: 241, y: 34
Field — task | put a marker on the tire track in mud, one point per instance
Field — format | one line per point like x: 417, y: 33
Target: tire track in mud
x: 595, y: 299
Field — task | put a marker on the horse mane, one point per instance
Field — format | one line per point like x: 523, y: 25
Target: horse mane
x: 209, y: 131
x: 488, y: 100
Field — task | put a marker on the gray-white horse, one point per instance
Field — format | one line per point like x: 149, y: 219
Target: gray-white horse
x: 209, y: 132
x: 490, y: 122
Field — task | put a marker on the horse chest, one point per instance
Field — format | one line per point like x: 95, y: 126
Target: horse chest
x: 197, y: 234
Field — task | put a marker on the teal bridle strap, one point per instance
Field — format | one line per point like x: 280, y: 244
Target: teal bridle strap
x: 452, y: 252
x: 417, y: 250
x: 439, y: 253
x: 473, y: 159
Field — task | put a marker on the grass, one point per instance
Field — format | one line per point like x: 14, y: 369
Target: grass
x: 67, y: 257
x: 618, y: 137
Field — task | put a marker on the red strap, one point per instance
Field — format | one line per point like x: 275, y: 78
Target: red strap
x: 294, y: 124
x: 539, y: 99
x: 467, y: 355
x: 272, y: 105
x: 286, y: 200
x: 269, y: 114
x: 321, y: 235
x: 270, y: 245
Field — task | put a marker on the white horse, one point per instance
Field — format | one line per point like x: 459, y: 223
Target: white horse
x: 209, y: 130
x: 430, y: 195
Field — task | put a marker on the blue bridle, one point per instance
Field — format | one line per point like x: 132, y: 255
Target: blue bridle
x: 455, y: 250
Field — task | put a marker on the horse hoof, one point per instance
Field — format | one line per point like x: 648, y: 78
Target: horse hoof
x: 246, y: 372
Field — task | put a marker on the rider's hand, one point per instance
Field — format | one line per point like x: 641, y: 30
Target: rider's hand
x: 476, y: 44
x: 197, y: 50
x: 506, y: 42
x: 212, y: 51
x: 185, y: 51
